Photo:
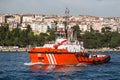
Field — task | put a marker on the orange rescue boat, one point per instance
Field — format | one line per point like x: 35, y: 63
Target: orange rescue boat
x: 65, y: 53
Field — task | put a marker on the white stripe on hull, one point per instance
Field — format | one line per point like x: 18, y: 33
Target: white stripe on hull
x: 51, y: 58
x: 54, y: 59
x: 48, y: 59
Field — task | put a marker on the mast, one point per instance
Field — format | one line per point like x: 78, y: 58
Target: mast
x: 65, y: 31
x: 66, y: 22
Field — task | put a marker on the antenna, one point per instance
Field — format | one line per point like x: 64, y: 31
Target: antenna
x: 67, y: 11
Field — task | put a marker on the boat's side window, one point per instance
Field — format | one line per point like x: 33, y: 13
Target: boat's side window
x: 41, y: 58
x: 94, y: 55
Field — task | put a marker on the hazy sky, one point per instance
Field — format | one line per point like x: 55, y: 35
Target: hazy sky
x: 76, y: 7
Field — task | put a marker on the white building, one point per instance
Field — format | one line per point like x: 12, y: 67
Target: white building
x: 17, y: 18
x: 97, y: 26
x: 61, y: 27
x: 84, y: 27
x: 2, y: 18
x: 27, y: 18
x: 10, y: 20
x: 12, y: 26
x: 39, y: 27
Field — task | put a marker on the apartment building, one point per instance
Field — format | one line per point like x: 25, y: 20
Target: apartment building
x: 28, y: 18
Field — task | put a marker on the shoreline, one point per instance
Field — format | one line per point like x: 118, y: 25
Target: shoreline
x: 14, y: 49
x: 102, y: 50
x: 27, y: 49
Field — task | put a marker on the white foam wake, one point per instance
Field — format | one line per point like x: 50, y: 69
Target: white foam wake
x: 39, y: 63
x: 30, y: 63
x: 81, y: 64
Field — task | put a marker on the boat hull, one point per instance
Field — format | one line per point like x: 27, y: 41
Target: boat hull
x: 63, y: 57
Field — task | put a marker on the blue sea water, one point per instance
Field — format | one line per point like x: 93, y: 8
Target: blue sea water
x: 12, y: 68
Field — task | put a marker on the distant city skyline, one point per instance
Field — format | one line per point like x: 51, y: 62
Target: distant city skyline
x: 102, y: 8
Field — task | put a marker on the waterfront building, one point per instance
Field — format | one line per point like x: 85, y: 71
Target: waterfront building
x: 13, y: 26
x: 24, y: 25
x: 38, y: 28
x: 2, y: 18
x: 28, y: 18
x: 97, y: 27
x: 10, y: 19
x: 18, y: 18
x: 84, y: 27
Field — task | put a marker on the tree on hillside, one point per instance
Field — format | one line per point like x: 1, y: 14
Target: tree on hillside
x: 52, y: 35
x: 76, y: 32
x: 107, y: 29
x: 29, y: 29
